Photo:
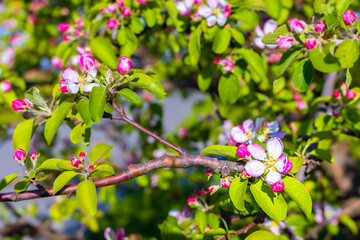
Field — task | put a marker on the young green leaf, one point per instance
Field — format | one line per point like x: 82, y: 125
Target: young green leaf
x: 103, y: 50
x: 261, y: 235
x: 287, y: 58
x: 348, y: 53
x: 270, y: 38
x: 22, y: 185
x: 23, y: 134
x: 274, y: 206
x: 105, y: 168
x: 195, y: 46
x: 229, y: 89
x: 255, y: 61
x: 214, y: 234
x: 62, y: 180
x: 77, y: 132
x: 99, y: 151
x: 324, y: 62
x: 130, y: 45
x: 220, y: 150
x: 237, y: 35
x: 299, y: 194
x: 55, y: 163
x: 201, y: 220
x: 141, y: 80
x: 129, y: 95
x: 86, y: 197
x: 83, y: 109
x: 97, y: 103
x: 7, y: 180
x: 56, y: 119
x: 237, y: 193
x: 204, y: 78
x: 303, y: 75
x: 34, y: 97
x: 222, y: 40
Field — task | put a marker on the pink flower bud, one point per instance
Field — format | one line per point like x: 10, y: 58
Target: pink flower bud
x: 242, y: 151
x: 274, y: 57
x: 296, y: 25
x: 147, y: 96
x: 111, y: 7
x: 120, y: 3
x: 141, y: 1
x: 111, y: 24
x: 191, y: 200
x: 79, y: 23
x: 124, y: 65
x: 336, y: 94
x: 349, y: 17
x: 91, y: 167
x: 107, y: 232
x: 102, y: 10
x: 56, y: 62
x: 19, y: 105
x: 87, y: 61
x: 64, y: 11
x: 217, y: 61
x: 66, y: 38
x: 311, y: 43
x: 208, y: 172
x: 300, y: 105
x: 227, y: 14
x: 19, y: 155
x: 225, y: 182
x: 211, y: 189
x: 78, y: 32
x: 30, y: 104
x: 283, y: 164
x: 120, y: 234
x: 284, y: 42
x: 182, y: 132
x: 197, y: 192
x: 34, y: 156
x: 198, y: 1
x: 82, y: 154
x: 75, y: 162
x: 126, y: 12
x: 63, y: 27
x: 319, y: 26
x: 277, y: 187
x: 297, y: 96
x: 227, y: 8
x: 350, y: 94
x: 245, y: 174
x: 5, y: 86
x: 63, y: 87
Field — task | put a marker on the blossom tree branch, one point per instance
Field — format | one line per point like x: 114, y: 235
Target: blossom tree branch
x: 133, y: 171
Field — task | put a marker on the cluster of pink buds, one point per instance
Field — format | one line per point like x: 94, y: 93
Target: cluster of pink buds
x: 117, y: 9
x: 348, y: 93
x: 109, y: 234
x: 21, y: 105
x: 5, y: 86
x: 75, y: 162
x: 300, y: 104
x: 57, y: 62
x: 20, y: 156
x: 199, y: 193
x: 124, y: 65
x: 71, y: 31
x: 228, y: 64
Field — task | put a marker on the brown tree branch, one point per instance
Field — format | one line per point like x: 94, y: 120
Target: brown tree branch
x: 135, y: 170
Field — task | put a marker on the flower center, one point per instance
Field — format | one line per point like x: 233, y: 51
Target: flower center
x: 215, y: 11
x: 248, y: 134
x: 270, y: 162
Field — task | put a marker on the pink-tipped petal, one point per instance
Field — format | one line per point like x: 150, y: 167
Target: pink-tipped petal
x: 257, y: 152
x: 255, y: 168
x: 70, y: 75
x: 211, y: 20
x: 274, y: 147
x: 272, y: 177
x: 269, y: 26
x: 204, y: 11
x: 212, y: 3
x: 221, y: 19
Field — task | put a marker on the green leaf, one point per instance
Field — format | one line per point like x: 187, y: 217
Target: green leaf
x: 56, y: 119
x: 229, y: 89
x: 130, y: 45
x: 214, y: 234
x: 255, y: 61
x: 274, y: 206
x: 195, y: 46
x: 323, y: 155
x: 22, y: 185
x: 220, y: 150
x: 34, y: 97
x: 270, y: 38
x: 105, y: 168
x: 77, y: 132
x: 303, y: 75
x: 324, y: 62
x: 332, y: 20
x: 97, y: 103
x: 286, y: 59
x: 348, y: 53
x: 261, y: 235
x: 237, y: 35
x: 56, y: 164
x: 100, y: 150
x: 274, y: 7
x: 237, y: 193
x: 129, y: 95
x: 136, y: 25
x: 86, y: 197
x: 350, y: 224
x: 7, y: 180
x: 149, y: 15
x: 171, y: 232
x: 204, y: 78
x: 83, y: 109
x: 23, y: 134
x: 222, y: 40
x: 62, y: 180
x: 103, y: 50
x: 342, y: 5
x: 212, y: 220
x: 298, y: 193
x: 201, y: 220
x: 141, y: 80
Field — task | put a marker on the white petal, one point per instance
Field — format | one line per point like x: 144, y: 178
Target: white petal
x: 222, y: 5
x: 255, y: 168
x: 88, y: 87
x: 248, y: 125
x: 212, y: 3
x: 258, y: 123
x: 258, y: 42
x: 270, y: 26
x: 259, y: 31
x: 238, y: 135
x: 70, y: 74
x: 274, y: 147
x: 72, y: 87
x: 189, y: 4
x: 204, y: 11
x: 211, y: 21
x: 91, y: 75
x: 272, y: 177
x: 221, y: 19
x: 257, y: 151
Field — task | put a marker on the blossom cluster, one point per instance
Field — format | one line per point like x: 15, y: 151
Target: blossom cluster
x: 272, y: 164
x: 71, y: 32
x: 79, y: 163
x: 20, y: 155
x: 227, y: 64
